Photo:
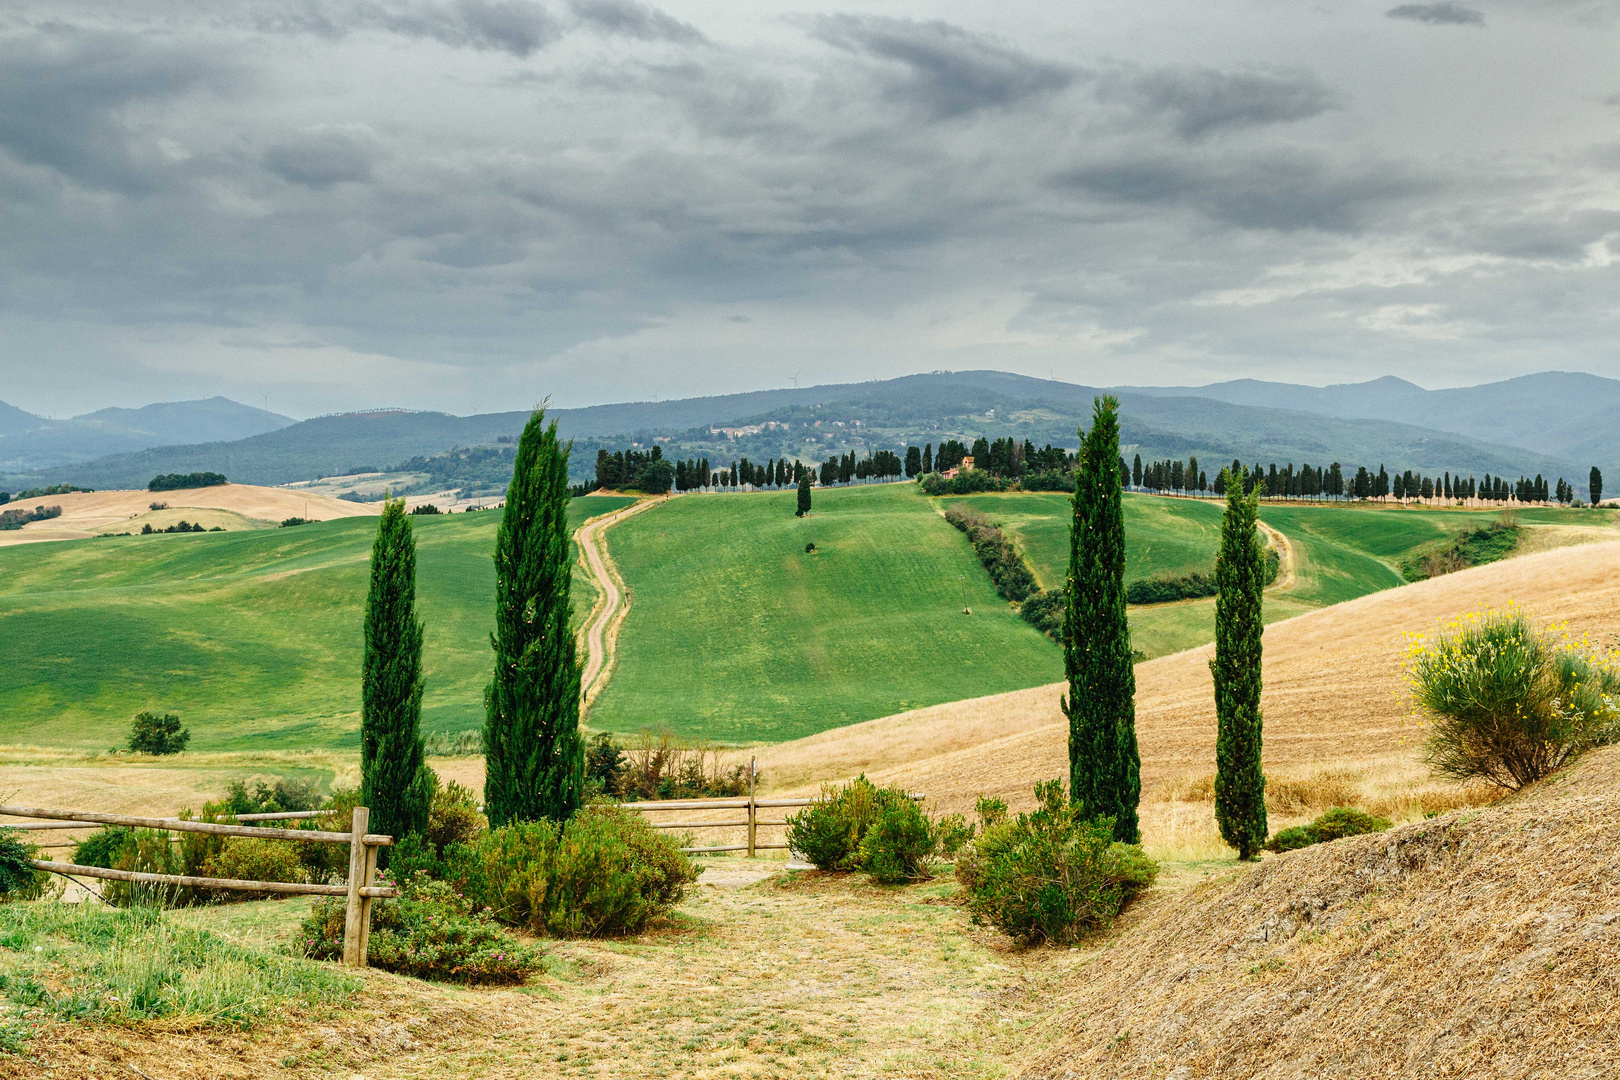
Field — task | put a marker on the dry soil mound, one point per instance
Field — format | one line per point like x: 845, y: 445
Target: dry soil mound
x: 1478, y: 944
x: 1333, y: 694
x: 88, y: 513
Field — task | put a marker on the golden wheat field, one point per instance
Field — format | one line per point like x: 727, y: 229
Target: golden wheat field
x: 230, y: 506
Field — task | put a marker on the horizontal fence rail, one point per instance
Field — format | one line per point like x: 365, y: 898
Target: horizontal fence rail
x: 361, y: 888
x: 751, y: 805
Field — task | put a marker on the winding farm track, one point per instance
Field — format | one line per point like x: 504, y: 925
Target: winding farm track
x: 612, y: 601
x: 1285, y: 556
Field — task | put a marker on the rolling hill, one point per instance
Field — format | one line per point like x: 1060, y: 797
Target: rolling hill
x: 30, y: 443
x: 814, y: 423
x: 252, y: 637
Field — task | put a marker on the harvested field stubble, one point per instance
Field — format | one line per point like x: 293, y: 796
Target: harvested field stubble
x: 1479, y: 944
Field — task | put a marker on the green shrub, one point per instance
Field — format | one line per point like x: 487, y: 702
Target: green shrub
x: 101, y: 847
x: 185, y: 481
x: 279, y: 796
x: 1163, y: 588
x: 1044, y: 611
x: 903, y: 844
x: 454, y: 817
x: 1053, y: 875
x: 252, y: 858
x: 1012, y: 577
x: 428, y: 932
x: 1335, y: 823
x: 1507, y: 703
x: 882, y: 831
x: 18, y: 880
x: 1476, y: 547
x: 150, y: 733
x: 606, y: 872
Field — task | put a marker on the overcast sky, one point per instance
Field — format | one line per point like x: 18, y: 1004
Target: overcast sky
x: 472, y: 204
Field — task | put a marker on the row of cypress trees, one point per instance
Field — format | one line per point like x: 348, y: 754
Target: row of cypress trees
x: 534, y: 754
x: 1104, y: 762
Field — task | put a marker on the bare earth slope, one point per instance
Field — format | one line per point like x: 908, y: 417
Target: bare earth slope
x: 89, y: 513
x: 1333, y: 693
x: 1479, y: 944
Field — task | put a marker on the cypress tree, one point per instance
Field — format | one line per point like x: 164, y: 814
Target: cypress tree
x: 534, y: 765
x: 928, y: 458
x: 804, y: 494
x: 1240, y: 785
x: 394, y: 782
x: 1104, y: 765
x: 1594, y: 485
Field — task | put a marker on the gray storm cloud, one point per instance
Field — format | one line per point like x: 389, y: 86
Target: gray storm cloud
x: 449, y: 203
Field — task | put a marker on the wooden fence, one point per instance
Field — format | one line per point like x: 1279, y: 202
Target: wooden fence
x: 751, y: 806
x: 360, y: 890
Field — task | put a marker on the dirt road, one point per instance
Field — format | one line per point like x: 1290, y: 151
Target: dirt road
x: 602, y: 627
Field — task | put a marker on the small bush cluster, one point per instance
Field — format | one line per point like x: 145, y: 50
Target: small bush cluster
x: 426, y: 509
x: 1011, y: 575
x: 604, y: 873
x: 882, y: 831
x: 964, y: 483
x: 1335, y: 823
x: 184, y: 481
x: 1053, y: 875
x: 428, y: 932
x: 1508, y: 703
x: 18, y: 879
x: 54, y: 489
x: 181, y: 526
x: 1476, y: 547
x: 150, y: 733
x: 1163, y: 588
x: 12, y: 520
x: 288, y: 523
x: 655, y: 765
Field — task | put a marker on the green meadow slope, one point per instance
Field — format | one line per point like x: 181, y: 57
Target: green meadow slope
x: 1340, y: 552
x: 253, y: 638
x: 736, y: 634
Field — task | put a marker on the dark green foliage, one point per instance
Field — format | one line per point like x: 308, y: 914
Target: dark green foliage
x: 150, y: 733
x: 288, y: 523
x: 184, y: 481
x: 1053, y: 875
x: 1240, y: 782
x: 963, y: 483
x: 1594, y: 485
x: 861, y: 826
x: 18, y: 880
x: 1337, y: 822
x: 42, y: 492
x: 804, y: 493
x: 604, y: 873
x: 1007, y: 568
x: 1104, y: 764
x: 1475, y: 547
x: 1163, y: 588
x: 534, y: 754
x: 12, y: 520
x: 282, y: 795
x: 101, y: 847
x: 428, y: 932
x: 627, y: 470
x: 394, y: 781
x: 1044, y: 611
x: 604, y: 762
x: 425, y: 510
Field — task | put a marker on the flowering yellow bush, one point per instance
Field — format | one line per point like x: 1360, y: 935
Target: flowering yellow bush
x: 1506, y: 702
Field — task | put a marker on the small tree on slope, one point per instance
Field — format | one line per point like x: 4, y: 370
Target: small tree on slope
x: 804, y: 494
x: 1104, y: 765
x: 534, y: 755
x: 1240, y: 784
x: 394, y: 782
x: 1594, y: 485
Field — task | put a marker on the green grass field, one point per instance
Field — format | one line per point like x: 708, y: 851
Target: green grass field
x: 253, y: 638
x: 736, y: 634
x: 1341, y: 552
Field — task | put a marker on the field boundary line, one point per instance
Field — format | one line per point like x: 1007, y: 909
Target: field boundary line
x: 1285, y: 556
x: 601, y: 632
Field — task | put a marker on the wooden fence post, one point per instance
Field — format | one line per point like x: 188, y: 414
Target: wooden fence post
x: 354, y: 918
x: 365, y: 906
x: 753, y: 817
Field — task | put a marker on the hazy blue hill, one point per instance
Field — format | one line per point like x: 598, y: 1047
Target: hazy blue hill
x: 815, y: 423
x: 31, y: 443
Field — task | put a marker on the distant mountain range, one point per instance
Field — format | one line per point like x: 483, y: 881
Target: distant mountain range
x: 1555, y: 424
x: 29, y: 443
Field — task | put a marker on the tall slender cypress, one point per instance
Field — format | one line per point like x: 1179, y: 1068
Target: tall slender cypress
x: 394, y: 782
x: 534, y: 764
x: 1104, y: 765
x: 804, y: 493
x: 1240, y: 782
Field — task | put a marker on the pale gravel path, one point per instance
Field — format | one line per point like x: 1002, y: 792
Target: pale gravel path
x: 611, y: 604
